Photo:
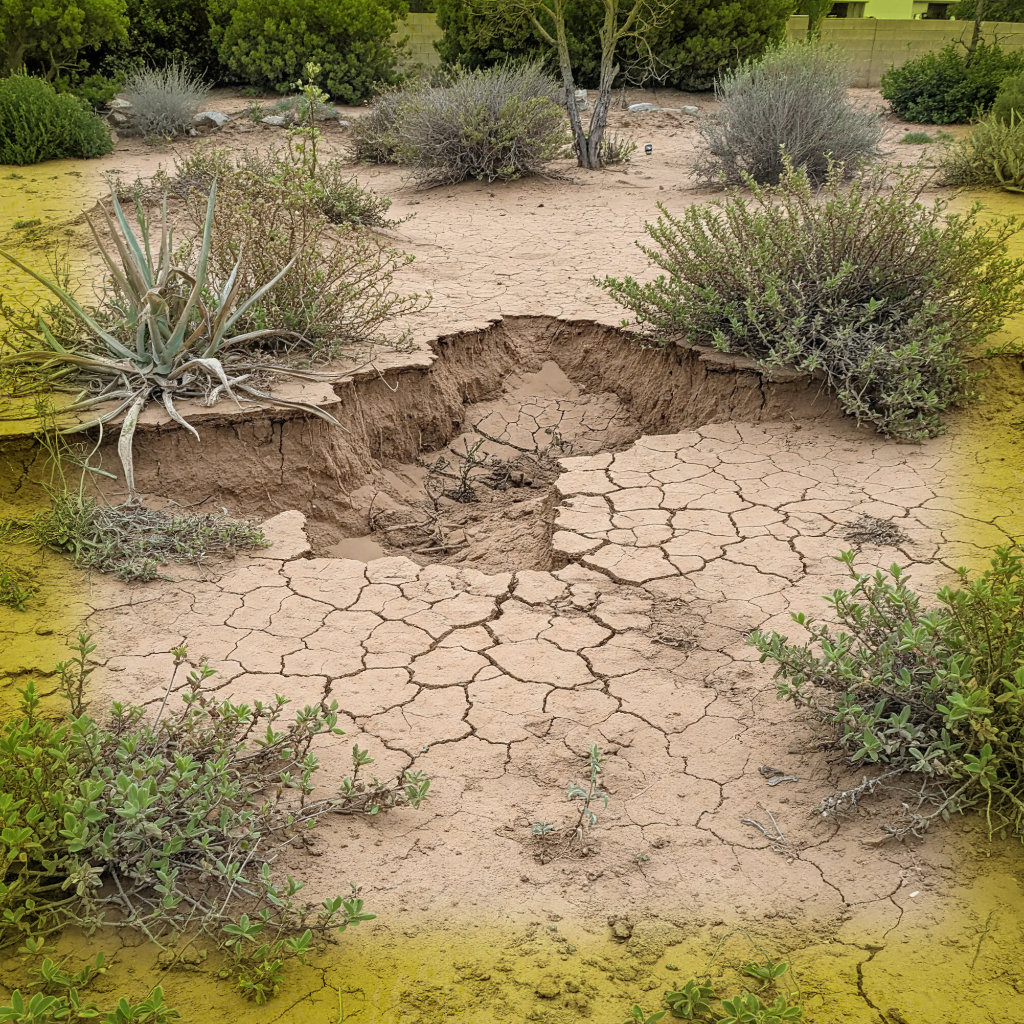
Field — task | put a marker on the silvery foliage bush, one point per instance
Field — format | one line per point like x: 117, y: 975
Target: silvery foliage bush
x: 882, y: 295
x: 164, y: 99
x: 791, y: 102
x: 494, y: 125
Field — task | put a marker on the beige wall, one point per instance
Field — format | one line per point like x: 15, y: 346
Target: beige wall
x: 872, y: 44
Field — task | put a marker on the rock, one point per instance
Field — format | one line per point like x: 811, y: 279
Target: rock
x: 210, y: 119
x: 690, y: 110
x: 645, y: 108
x: 641, y: 108
x: 119, y: 104
x: 581, y: 99
x: 276, y: 121
x: 118, y: 119
x: 548, y: 988
x: 622, y: 927
x: 344, y: 124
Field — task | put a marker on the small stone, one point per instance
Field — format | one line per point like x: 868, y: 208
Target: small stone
x: 344, y: 124
x: 119, y: 104
x: 622, y: 927
x: 641, y: 108
x: 210, y: 119
x: 548, y: 988
x: 275, y: 121
x: 118, y: 119
x: 581, y: 99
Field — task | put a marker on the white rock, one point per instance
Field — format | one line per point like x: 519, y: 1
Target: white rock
x: 276, y: 121
x: 641, y: 108
x: 210, y: 119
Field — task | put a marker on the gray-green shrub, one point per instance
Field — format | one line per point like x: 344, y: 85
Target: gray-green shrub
x: 934, y: 693
x: 164, y: 99
x: 498, y: 124
x: 1009, y: 102
x: 863, y: 282
x: 993, y: 154
x: 791, y: 103
x: 37, y: 123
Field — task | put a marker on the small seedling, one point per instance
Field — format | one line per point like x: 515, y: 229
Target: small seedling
x: 638, y: 1016
x: 767, y: 973
x: 692, y: 1001
x: 587, y: 795
x: 916, y: 139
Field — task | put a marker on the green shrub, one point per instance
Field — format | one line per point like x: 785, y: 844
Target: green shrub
x: 153, y: 819
x: 704, y: 39
x: 49, y: 36
x: 916, y: 139
x: 791, y: 105
x: 164, y: 99
x: 496, y: 124
x: 97, y: 89
x: 864, y: 283
x: 949, y: 86
x: 993, y: 154
x: 374, y: 135
x: 1009, y: 101
x: 173, y: 32
x: 36, y: 124
x: 266, y: 43
x: 701, y: 39
x: 936, y: 693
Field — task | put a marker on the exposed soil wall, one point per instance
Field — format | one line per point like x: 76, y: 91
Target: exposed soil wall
x: 275, y: 459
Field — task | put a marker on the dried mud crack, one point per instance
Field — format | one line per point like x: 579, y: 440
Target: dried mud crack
x: 627, y: 517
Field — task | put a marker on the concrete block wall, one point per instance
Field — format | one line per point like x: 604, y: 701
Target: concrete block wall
x: 872, y: 44
x: 876, y: 44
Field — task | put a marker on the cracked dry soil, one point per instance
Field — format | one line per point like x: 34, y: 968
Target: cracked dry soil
x: 638, y: 514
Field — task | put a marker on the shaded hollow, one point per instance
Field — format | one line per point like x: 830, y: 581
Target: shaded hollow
x: 539, y: 388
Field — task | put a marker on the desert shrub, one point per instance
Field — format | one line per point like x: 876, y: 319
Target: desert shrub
x: 97, y: 88
x: 162, y: 32
x: 164, y: 99
x: 152, y: 819
x: 864, y: 283
x: 993, y: 154
x: 791, y: 103
x: 498, y: 124
x: 949, y: 85
x: 916, y: 139
x: 934, y: 696
x: 266, y: 43
x: 1009, y: 101
x: 50, y: 37
x: 36, y: 124
x: 374, y: 134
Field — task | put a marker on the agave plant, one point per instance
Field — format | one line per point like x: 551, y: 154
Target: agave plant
x: 169, y: 338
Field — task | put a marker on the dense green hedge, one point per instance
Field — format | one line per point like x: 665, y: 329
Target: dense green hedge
x: 267, y: 43
x: 37, y: 123
x: 173, y: 32
x: 950, y: 85
x: 701, y: 39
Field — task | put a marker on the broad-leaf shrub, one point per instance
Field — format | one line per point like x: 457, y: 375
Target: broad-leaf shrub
x: 862, y: 282
x: 173, y: 32
x: 167, y: 820
x: 37, y: 123
x: 267, y: 43
x: 789, y: 104
x: 51, y: 37
x: 1009, y: 102
x: 935, y: 693
x: 949, y: 86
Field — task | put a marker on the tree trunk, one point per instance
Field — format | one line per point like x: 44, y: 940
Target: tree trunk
x: 979, y: 13
x: 569, y: 82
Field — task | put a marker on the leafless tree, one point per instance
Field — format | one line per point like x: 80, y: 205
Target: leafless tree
x: 624, y: 22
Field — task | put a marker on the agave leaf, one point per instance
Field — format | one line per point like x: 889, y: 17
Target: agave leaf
x: 108, y: 339
x: 140, y: 263
x: 124, y: 440
x: 96, y: 421
x: 289, y: 403
x: 176, y: 416
x: 118, y: 273
x: 257, y: 295
x: 176, y: 340
x: 212, y: 366
x: 83, y: 361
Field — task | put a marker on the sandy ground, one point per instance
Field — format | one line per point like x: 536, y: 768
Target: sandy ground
x: 602, y: 597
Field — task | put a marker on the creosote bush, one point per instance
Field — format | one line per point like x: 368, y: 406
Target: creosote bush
x: 164, y: 99
x: 884, y: 296
x: 950, y: 85
x: 494, y: 125
x: 168, y: 819
x: 789, y: 104
x: 374, y: 135
x: 993, y: 154
x: 933, y: 696
x: 37, y: 123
